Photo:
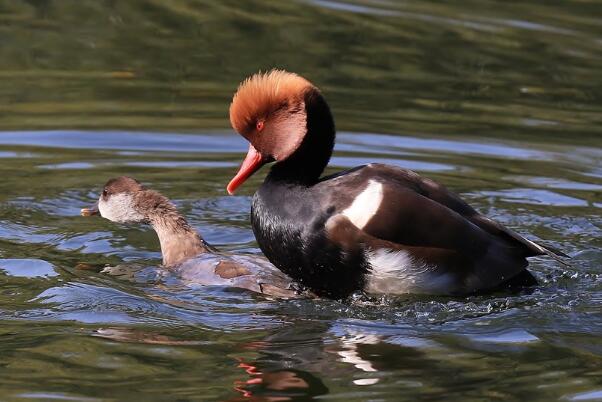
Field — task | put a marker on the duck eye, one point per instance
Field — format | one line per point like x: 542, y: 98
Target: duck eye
x: 105, y: 193
x: 259, y: 125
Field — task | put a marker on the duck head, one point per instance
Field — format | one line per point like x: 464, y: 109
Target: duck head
x: 125, y: 200
x: 274, y: 112
x: 120, y: 201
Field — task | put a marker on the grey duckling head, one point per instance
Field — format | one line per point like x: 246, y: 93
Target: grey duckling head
x: 126, y: 200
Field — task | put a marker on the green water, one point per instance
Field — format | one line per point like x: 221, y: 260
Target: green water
x: 499, y: 100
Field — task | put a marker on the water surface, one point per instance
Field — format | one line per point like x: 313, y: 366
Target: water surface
x: 500, y: 101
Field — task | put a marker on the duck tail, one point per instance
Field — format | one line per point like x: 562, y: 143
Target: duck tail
x: 550, y: 252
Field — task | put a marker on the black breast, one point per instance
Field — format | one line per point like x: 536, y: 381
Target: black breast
x: 289, y: 227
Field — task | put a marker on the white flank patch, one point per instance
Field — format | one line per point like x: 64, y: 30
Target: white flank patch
x: 365, y: 205
x: 119, y: 208
x: 397, y: 272
x: 387, y: 262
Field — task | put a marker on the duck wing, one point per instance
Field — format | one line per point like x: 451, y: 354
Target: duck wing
x: 405, y: 219
x: 443, y: 196
x: 400, y: 182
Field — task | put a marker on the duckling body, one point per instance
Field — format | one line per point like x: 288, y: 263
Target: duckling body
x: 185, y: 252
x: 249, y: 272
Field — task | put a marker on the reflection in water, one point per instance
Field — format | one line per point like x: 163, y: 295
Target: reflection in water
x: 29, y: 268
x: 124, y: 334
x: 263, y: 382
x: 350, y: 354
x: 142, y: 143
x: 418, y: 67
x: 278, y: 385
x: 532, y: 196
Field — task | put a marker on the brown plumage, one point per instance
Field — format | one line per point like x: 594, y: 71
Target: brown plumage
x: 260, y: 94
x: 184, y: 251
x: 179, y: 241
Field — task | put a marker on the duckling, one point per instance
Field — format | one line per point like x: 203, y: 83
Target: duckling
x: 185, y: 252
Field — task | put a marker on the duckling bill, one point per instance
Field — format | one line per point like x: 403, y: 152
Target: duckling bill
x: 184, y: 251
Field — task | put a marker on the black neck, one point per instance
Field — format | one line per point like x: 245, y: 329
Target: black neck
x: 307, y: 163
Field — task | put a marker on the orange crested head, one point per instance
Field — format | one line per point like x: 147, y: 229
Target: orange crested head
x: 271, y: 111
x: 261, y: 94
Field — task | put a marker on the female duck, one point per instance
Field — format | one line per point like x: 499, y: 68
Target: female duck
x: 376, y: 228
x: 125, y: 200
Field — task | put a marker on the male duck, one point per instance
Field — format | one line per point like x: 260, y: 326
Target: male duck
x: 375, y: 228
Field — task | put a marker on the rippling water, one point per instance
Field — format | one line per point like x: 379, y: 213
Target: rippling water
x: 500, y: 101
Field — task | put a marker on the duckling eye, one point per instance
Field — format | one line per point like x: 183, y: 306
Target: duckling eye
x: 259, y: 125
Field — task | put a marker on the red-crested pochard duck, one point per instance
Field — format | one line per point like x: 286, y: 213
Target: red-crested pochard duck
x: 185, y: 253
x: 374, y: 228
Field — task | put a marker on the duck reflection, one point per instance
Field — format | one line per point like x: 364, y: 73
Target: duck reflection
x: 299, y: 360
x: 133, y: 336
x: 349, y: 353
x: 277, y: 385
x: 262, y: 382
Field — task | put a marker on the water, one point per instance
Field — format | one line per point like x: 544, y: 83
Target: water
x: 500, y: 101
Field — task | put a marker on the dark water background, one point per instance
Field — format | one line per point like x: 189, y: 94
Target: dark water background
x: 500, y: 100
